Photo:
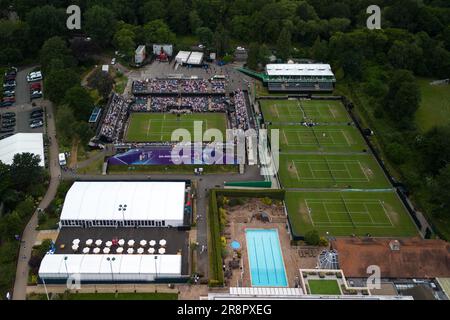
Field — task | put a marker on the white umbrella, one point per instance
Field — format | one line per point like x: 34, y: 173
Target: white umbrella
x: 106, y: 250
x: 140, y: 250
x: 76, y: 242
x: 98, y: 243
x: 151, y: 250
x: 121, y: 242
x: 161, y: 250
x: 75, y: 247
x: 86, y: 250
x: 143, y: 243
x: 96, y: 250
x: 130, y: 250
x: 108, y: 244
x: 89, y: 242
x: 152, y: 242
x: 119, y: 250
x: 162, y: 242
x: 130, y: 243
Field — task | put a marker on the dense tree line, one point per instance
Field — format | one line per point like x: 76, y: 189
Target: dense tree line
x: 21, y: 185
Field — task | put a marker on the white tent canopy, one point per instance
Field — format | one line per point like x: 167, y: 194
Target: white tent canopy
x: 299, y: 70
x: 98, y: 268
x: 107, y: 204
x: 195, y: 58
x: 22, y: 143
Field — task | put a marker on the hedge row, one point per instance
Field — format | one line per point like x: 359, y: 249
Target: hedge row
x: 216, y: 277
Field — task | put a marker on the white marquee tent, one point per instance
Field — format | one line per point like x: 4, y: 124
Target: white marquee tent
x: 118, y: 268
x: 21, y: 143
x: 128, y: 204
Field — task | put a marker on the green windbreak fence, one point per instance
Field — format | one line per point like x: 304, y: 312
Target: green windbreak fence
x: 250, y: 184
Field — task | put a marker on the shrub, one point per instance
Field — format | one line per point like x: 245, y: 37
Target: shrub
x: 267, y: 201
x: 323, y: 242
x: 312, y: 238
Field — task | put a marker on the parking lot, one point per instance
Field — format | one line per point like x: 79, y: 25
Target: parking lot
x: 23, y: 106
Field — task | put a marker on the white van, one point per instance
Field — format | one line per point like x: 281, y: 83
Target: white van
x: 34, y: 76
x: 62, y: 159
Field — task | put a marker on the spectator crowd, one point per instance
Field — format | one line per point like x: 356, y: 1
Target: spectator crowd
x: 115, y: 119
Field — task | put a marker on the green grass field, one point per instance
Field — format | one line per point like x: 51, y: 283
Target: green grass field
x: 324, y: 287
x: 320, y: 138
x: 331, y: 171
x: 328, y: 111
x: 158, y: 127
x: 345, y: 213
x: 434, y: 109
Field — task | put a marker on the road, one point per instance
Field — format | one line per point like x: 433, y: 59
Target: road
x: 30, y: 233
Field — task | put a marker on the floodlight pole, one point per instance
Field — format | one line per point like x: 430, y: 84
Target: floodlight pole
x: 65, y: 263
x: 156, y: 268
x: 110, y: 264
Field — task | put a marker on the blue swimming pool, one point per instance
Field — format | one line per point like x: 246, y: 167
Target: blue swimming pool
x: 265, y: 258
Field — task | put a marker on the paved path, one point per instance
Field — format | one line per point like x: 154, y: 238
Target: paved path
x: 29, y: 234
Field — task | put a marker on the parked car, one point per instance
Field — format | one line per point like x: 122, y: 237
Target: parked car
x: 9, y: 115
x: 36, y: 124
x: 36, y: 94
x: 12, y: 99
x: 36, y: 116
x: 37, y: 110
x: 8, y: 126
x: 8, y: 121
x: 9, y: 93
x: 6, y: 104
x: 34, y: 76
x: 6, y: 130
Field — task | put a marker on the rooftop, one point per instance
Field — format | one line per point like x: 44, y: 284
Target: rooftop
x: 415, y: 257
x: 22, y: 143
x: 293, y: 69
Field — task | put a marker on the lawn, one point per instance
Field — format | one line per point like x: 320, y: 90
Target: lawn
x: 320, y: 111
x: 434, y: 109
x: 109, y: 296
x: 172, y: 169
x: 331, y: 171
x: 158, y: 127
x: 336, y: 138
x: 345, y: 213
x: 324, y: 287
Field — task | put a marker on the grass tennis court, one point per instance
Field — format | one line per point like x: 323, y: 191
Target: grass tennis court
x: 158, y: 127
x: 320, y: 138
x: 321, y: 111
x: 331, y: 171
x: 345, y: 213
x: 324, y: 287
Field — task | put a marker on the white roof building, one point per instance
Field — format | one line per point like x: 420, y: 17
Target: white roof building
x: 129, y: 204
x: 182, y: 57
x: 22, y: 143
x: 195, y: 58
x: 288, y: 69
x: 119, y: 267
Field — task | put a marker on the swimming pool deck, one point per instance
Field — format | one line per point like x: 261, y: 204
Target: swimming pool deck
x: 240, y: 219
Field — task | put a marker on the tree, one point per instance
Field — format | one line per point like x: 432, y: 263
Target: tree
x: 194, y: 21
x: 434, y: 150
x: 58, y: 82
x: 153, y: 10
x: 205, y: 36
x: 80, y: 101
x: 440, y: 195
x: 222, y: 40
x: 45, y: 22
x: 253, y: 56
x: 100, y: 24
x: 157, y: 31
x: 403, y: 55
x: 26, y: 171
x: 124, y: 41
x: 319, y: 50
x: 55, y: 48
x: 102, y: 82
x: 64, y: 123
x: 10, y: 225
x: 403, y: 98
x: 177, y: 13
x: 284, y: 45
x: 312, y: 238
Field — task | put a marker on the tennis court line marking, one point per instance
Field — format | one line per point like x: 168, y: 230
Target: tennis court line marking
x: 296, y: 172
x: 148, y: 126
x: 364, y: 202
